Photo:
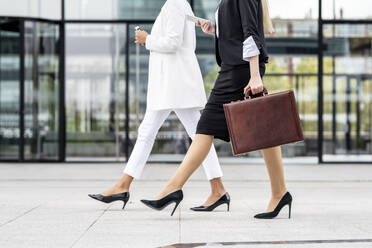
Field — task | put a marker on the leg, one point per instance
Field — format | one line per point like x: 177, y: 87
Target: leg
x: 189, y: 118
x: 217, y: 191
x: 121, y: 186
x: 196, y: 154
x: 274, y: 165
x: 147, y: 131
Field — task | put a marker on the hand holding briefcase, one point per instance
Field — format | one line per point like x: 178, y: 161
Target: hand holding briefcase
x: 262, y: 122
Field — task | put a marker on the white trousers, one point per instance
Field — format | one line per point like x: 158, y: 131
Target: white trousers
x: 147, y: 131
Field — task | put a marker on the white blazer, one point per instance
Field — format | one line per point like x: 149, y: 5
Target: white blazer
x: 175, y: 79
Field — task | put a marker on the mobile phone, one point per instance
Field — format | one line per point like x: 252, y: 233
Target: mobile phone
x: 195, y: 19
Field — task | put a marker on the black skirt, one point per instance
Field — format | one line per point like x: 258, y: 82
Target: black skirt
x: 229, y: 87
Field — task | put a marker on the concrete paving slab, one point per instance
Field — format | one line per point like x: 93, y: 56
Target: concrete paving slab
x: 46, y: 205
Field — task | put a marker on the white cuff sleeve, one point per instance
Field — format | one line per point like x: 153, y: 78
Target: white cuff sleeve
x: 250, y: 48
x: 148, y: 42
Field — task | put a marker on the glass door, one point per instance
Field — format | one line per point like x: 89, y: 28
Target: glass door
x: 95, y: 92
x: 29, y: 96
x: 10, y: 40
x: 347, y: 93
x: 41, y: 91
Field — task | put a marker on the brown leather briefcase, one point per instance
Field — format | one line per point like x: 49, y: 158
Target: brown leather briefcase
x: 262, y: 122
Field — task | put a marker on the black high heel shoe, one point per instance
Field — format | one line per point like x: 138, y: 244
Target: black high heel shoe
x: 225, y: 199
x: 175, y: 197
x: 286, y: 200
x: 111, y: 198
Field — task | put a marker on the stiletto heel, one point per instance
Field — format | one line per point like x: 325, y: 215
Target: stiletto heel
x: 175, y: 197
x: 175, y: 207
x: 125, y: 203
x: 225, y: 199
x: 111, y: 198
x: 286, y: 200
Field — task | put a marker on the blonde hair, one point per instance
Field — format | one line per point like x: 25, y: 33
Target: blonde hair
x: 268, y: 25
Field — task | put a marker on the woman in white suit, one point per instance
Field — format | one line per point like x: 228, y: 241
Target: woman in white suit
x: 175, y: 84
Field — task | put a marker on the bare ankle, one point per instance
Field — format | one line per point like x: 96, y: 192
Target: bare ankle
x: 124, y: 183
x: 216, y: 194
x: 174, y: 189
x: 168, y: 189
x: 122, y: 187
x: 279, y: 195
x: 217, y: 188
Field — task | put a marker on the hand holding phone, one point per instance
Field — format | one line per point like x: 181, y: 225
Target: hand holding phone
x: 196, y: 20
x: 208, y: 27
x: 140, y: 36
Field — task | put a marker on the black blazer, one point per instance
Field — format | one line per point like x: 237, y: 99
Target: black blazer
x: 237, y: 20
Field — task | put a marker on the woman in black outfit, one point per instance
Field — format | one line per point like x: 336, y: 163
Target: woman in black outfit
x: 241, y: 53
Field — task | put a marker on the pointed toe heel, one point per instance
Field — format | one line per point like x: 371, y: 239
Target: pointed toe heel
x: 286, y: 200
x: 175, y: 197
x: 124, y: 197
x: 225, y: 199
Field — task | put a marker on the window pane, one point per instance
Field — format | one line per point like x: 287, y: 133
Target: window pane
x: 347, y: 9
x: 347, y: 93
x: 50, y: 9
x: 41, y: 114
x: 95, y: 91
x: 113, y: 9
x: 348, y: 30
x: 206, y: 8
x: 9, y: 89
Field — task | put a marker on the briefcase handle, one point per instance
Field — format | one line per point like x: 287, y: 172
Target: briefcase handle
x: 249, y: 93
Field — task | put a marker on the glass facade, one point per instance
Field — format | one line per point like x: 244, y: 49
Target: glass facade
x: 104, y: 84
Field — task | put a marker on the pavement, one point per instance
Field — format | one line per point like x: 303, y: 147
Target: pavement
x: 46, y: 205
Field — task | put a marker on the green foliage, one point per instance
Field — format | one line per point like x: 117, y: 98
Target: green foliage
x: 210, y: 79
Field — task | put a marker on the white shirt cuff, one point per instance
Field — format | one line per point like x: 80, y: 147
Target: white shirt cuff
x: 250, y: 48
x: 148, y: 42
